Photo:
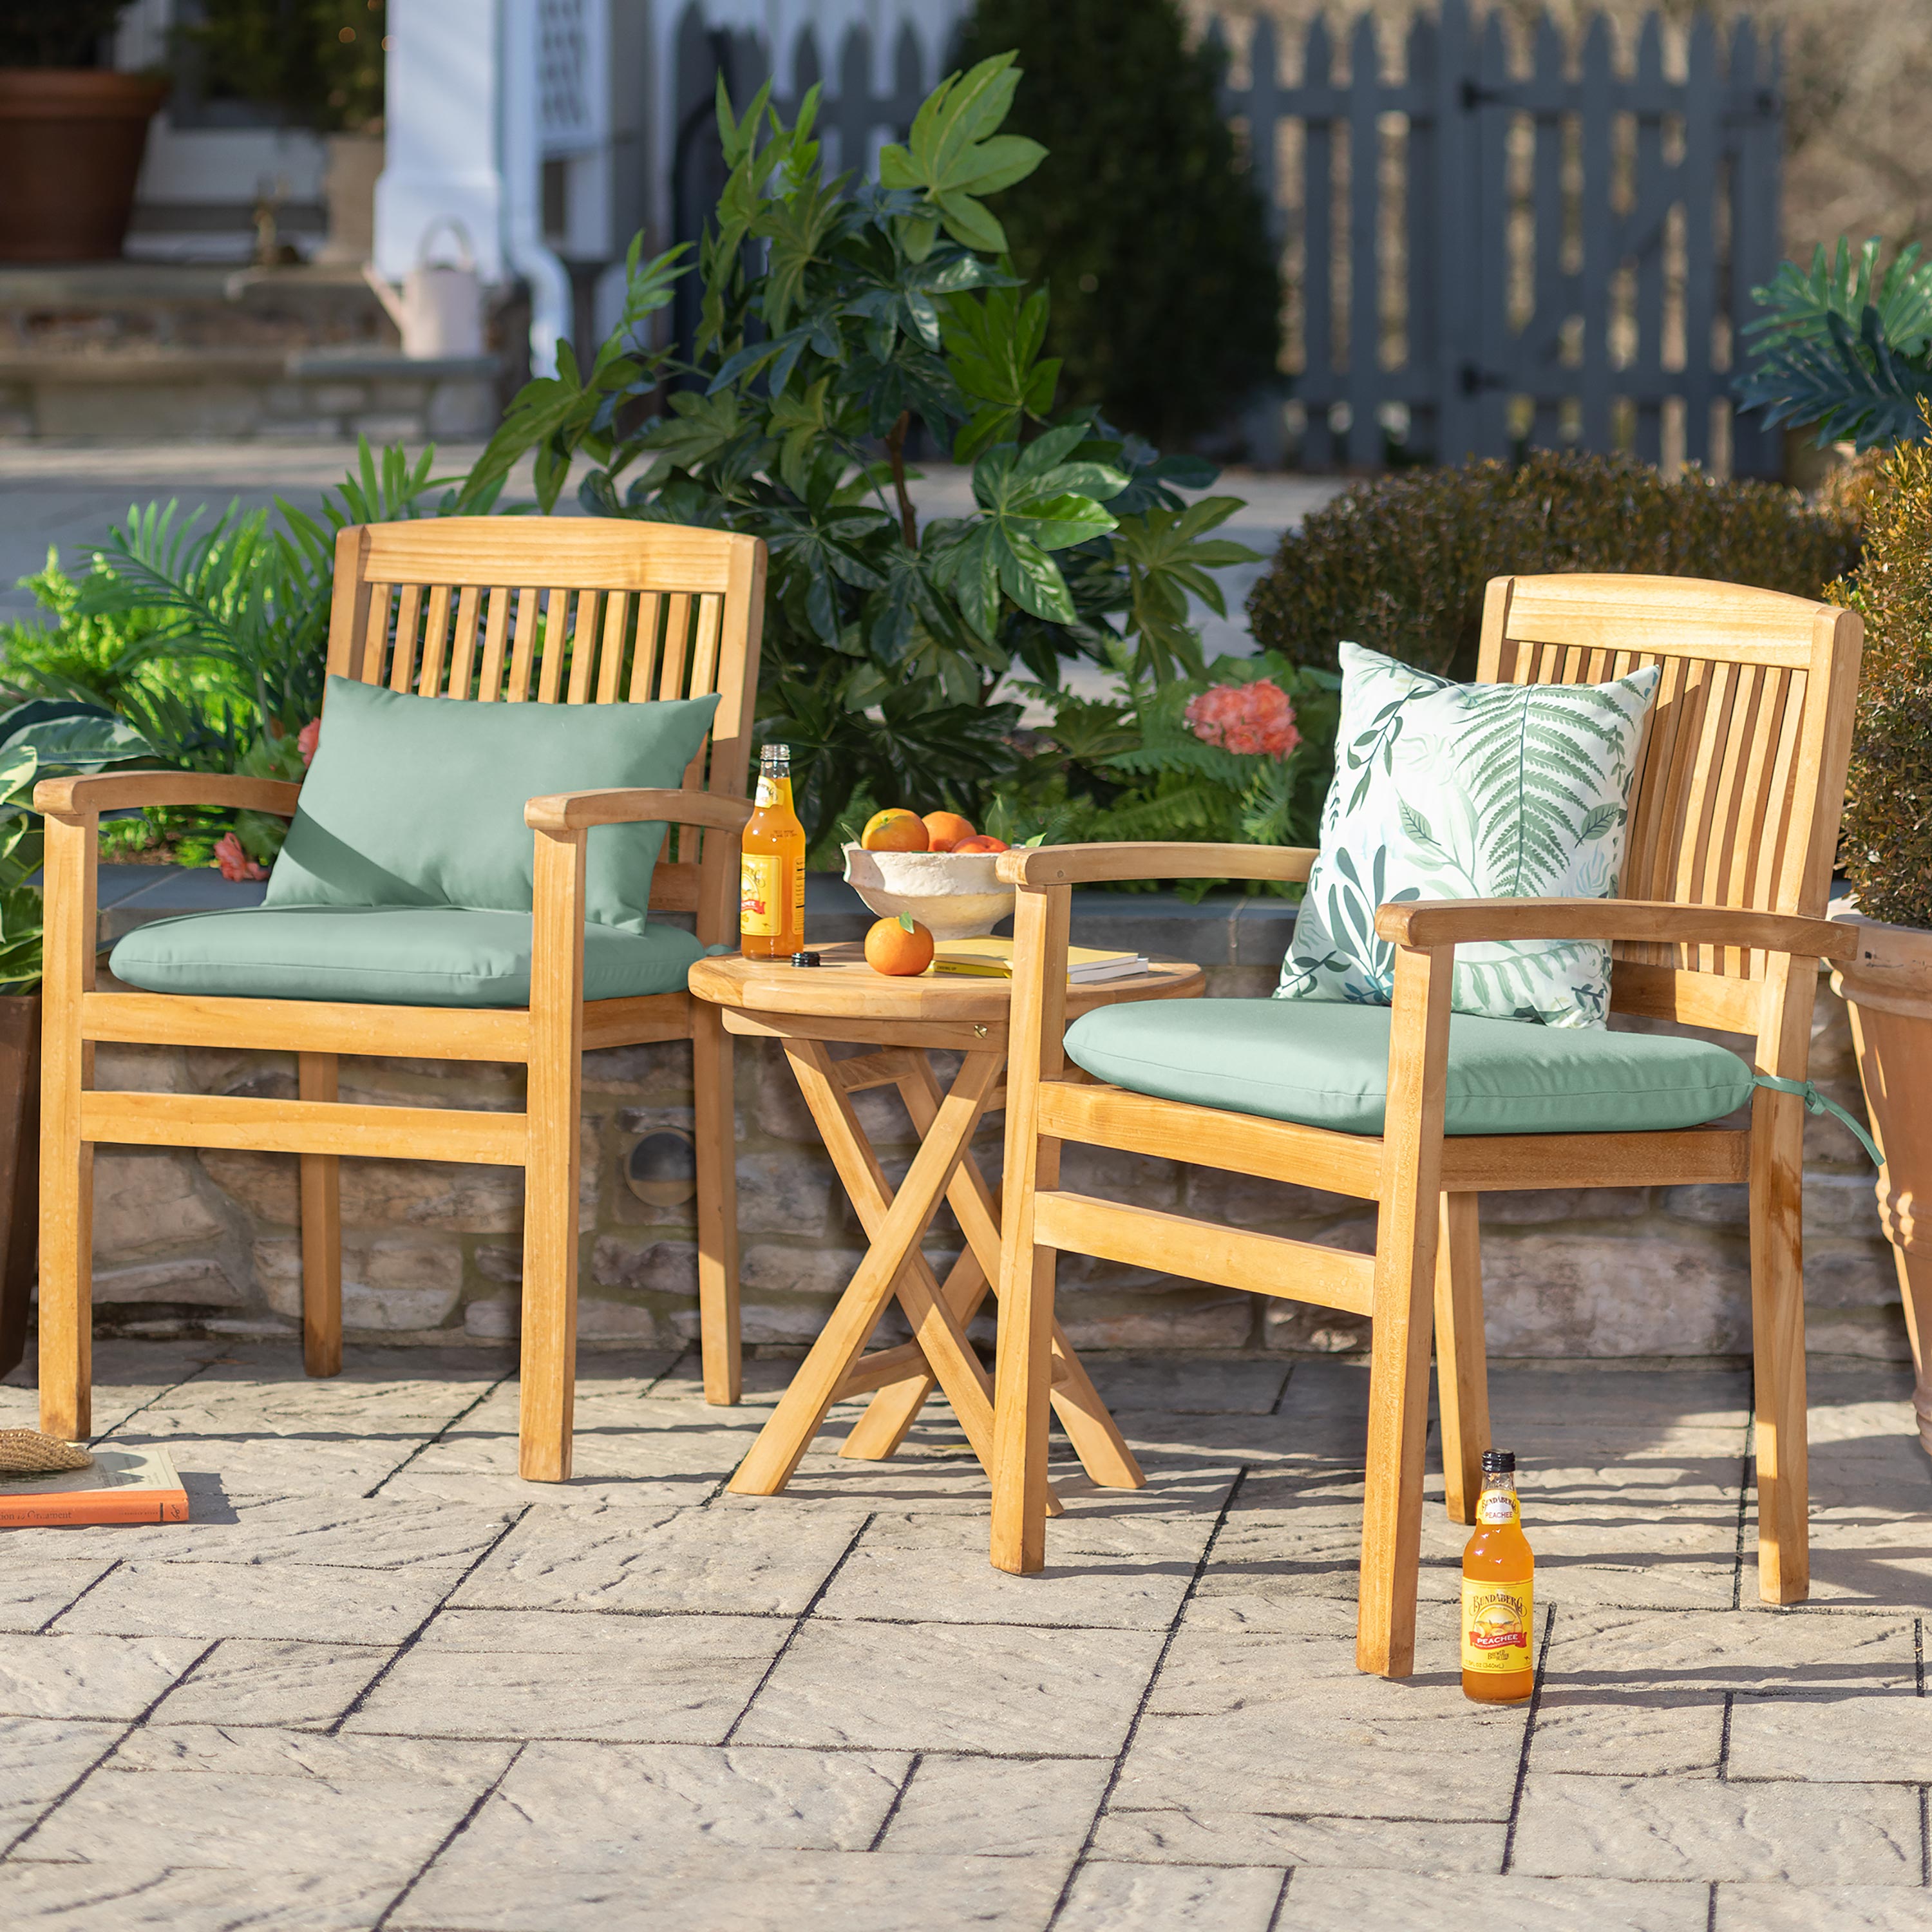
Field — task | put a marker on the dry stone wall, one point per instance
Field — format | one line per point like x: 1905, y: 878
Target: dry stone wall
x: 211, y: 1241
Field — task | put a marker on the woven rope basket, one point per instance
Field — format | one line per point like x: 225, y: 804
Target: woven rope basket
x: 26, y: 1452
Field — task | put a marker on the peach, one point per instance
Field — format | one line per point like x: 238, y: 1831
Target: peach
x: 982, y: 841
x: 945, y: 829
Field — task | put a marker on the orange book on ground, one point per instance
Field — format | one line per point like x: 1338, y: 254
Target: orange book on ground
x: 119, y: 1485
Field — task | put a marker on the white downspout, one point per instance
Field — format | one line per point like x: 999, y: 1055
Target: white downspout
x: 520, y: 150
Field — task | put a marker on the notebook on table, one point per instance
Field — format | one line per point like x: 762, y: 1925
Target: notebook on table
x: 993, y: 959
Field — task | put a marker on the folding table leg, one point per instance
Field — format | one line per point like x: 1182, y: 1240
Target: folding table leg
x: 1090, y: 1429
x: 895, y: 1243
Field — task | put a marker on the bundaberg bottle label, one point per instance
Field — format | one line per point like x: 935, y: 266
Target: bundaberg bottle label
x: 1496, y: 1623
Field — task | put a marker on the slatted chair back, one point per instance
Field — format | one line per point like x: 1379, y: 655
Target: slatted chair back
x: 1741, y: 772
x: 567, y: 610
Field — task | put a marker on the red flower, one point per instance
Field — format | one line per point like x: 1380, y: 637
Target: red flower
x: 307, y: 740
x: 1245, y: 717
x: 236, y: 863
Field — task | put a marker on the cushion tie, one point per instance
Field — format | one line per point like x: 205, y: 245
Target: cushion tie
x: 1816, y: 1102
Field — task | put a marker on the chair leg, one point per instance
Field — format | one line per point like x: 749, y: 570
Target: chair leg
x: 1406, y: 1231
x: 1777, y: 1348
x: 717, y: 1149
x: 321, y: 1232
x: 1461, y: 1368
x: 66, y: 1260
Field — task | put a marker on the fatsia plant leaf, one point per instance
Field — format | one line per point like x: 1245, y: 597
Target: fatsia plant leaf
x: 953, y: 155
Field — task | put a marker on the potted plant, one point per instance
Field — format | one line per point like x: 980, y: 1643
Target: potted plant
x: 40, y: 739
x: 1886, y: 850
x: 72, y: 133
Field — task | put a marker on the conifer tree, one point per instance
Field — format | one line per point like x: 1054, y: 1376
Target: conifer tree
x: 1142, y: 221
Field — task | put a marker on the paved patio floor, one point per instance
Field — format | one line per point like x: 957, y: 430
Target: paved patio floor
x: 379, y: 1682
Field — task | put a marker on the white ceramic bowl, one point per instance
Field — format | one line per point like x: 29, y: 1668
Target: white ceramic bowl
x: 953, y: 894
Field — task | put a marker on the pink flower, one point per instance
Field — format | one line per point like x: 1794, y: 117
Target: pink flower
x: 307, y: 740
x: 1247, y: 719
x: 236, y: 863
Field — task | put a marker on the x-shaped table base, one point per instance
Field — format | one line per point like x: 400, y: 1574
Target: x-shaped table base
x: 895, y: 1221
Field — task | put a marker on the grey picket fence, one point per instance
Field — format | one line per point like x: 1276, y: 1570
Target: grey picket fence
x: 1563, y: 256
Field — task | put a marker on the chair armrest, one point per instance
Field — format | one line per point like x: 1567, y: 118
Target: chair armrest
x: 574, y: 811
x: 1424, y: 924
x: 1080, y: 865
x: 113, y: 791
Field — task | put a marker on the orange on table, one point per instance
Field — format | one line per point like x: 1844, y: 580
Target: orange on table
x: 946, y: 829
x: 982, y: 841
x: 900, y: 946
x: 895, y: 830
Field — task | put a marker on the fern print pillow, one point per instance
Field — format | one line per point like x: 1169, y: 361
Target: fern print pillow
x: 1469, y: 791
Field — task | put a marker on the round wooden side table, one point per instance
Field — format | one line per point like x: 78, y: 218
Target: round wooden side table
x: 902, y: 1021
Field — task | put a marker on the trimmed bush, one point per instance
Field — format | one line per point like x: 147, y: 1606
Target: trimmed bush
x: 1140, y: 221
x: 1885, y: 846
x: 1398, y: 563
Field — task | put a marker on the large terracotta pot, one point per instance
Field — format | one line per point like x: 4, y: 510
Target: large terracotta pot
x: 1888, y: 989
x: 19, y: 1168
x: 71, y: 140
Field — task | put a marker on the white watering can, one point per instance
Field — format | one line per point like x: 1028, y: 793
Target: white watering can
x: 440, y: 307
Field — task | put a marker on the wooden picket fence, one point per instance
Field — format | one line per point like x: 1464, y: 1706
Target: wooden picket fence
x: 1562, y: 257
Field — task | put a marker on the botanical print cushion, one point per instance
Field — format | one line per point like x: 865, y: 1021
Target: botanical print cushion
x: 1468, y: 791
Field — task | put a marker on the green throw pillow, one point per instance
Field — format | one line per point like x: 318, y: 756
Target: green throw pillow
x: 419, y: 801
x: 1469, y: 791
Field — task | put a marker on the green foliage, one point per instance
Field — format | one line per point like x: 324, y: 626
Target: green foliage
x: 1132, y: 768
x: 41, y: 739
x: 1885, y: 843
x: 55, y: 33
x: 835, y: 313
x: 319, y: 61
x: 1398, y: 562
x: 1845, y: 348
x: 1166, y: 298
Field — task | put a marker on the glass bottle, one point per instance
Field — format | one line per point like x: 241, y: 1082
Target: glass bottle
x: 1498, y: 1574
x: 771, y: 912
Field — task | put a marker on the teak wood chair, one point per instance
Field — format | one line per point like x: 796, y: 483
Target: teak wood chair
x: 1733, y: 822
x: 482, y: 610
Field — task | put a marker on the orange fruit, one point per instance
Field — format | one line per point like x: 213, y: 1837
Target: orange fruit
x: 982, y: 841
x: 946, y: 829
x: 901, y: 946
x: 895, y: 830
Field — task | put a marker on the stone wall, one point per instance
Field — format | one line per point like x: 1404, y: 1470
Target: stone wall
x: 188, y: 1240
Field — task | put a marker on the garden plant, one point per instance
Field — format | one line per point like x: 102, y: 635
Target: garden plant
x: 838, y: 316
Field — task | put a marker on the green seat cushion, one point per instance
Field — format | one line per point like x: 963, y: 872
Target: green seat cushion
x: 1326, y: 1065
x: 419, y: 801
x: 387, y: 956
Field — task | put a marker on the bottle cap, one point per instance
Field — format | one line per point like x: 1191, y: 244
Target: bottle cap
x: 1499, y: 1462
x: 806, y: 959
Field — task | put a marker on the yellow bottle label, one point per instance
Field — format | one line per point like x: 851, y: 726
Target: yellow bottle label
x: 1498, y: 1506
x: 1496, y: 1619
x: 772, y: 793
x: 760, y: 883
x: 798, y: 901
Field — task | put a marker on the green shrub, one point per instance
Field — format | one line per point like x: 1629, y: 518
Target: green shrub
x: 1166, y: 296
x: 1398, y: 563
x: 319, y: 61
x: 55, y: 33
x: 1886, y: 843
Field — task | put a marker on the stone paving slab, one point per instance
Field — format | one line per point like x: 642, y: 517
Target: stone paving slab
x: 379, y: 1681
x: 1574, y: 1826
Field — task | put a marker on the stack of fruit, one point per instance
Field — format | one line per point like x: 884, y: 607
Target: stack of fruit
x: 897, y: 830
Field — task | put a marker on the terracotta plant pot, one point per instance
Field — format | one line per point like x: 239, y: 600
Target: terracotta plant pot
x: 1888, y: 989
x: 19, y: 1168
x: 71, y: 140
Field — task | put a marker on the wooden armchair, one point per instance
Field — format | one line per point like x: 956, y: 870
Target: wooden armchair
x: 448, y: 608
x: 1733, y: 823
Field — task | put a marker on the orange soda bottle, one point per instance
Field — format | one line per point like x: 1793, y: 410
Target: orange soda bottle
x: 771, y: 879
x: 1499, y: 1578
